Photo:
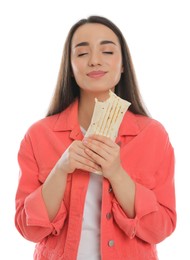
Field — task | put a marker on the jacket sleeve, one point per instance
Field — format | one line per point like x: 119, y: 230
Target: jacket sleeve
x: 155, y: 207
x: 31, y: 218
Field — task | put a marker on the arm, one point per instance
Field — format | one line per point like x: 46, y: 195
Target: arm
x: 40, y: 208
x: 154, y: 205
x: 31, y: 217
x: 140, y: 209
x: 54, y: 186
x: 107, y: 154
x: 119, y: 183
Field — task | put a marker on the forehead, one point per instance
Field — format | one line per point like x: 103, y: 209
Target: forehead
x: 94, y: 33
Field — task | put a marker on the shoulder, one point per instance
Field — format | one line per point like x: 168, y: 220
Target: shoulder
x: 148, y: 122
x: 37, y: 132
x: 63, y: 121
x: 44, y: 123
x: 134, y: 124
x: 146, y: 131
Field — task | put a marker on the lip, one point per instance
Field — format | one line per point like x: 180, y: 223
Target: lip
x: 96, y: 74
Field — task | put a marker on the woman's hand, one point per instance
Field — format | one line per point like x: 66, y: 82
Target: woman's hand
x: 105, y: 153
x: 54, y: 186
x: 76, y: 158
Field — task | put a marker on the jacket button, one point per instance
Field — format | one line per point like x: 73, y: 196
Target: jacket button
x: 111, y: 243
x: 108, y: 215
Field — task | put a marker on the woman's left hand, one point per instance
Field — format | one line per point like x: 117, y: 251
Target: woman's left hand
x: 105, y: 153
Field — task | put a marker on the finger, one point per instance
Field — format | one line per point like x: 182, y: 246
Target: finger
x: 84, y: 163
x: 98, y: 147
x: 103, y: 139
x: 99, y: 159
x: 78, y: 149
x: 88, y: 168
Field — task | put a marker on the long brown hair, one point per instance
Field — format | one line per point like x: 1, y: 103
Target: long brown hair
x: 67, y: 90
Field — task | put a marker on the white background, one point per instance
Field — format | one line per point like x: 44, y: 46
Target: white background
x: 32, y: 37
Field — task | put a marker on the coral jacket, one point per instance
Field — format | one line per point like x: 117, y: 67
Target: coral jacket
x: 146, y: 155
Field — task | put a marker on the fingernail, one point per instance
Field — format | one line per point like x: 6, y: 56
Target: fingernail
x: 98, y: 172
x: 85, y: 141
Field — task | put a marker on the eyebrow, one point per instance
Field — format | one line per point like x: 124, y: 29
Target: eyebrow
x: 87, y: 43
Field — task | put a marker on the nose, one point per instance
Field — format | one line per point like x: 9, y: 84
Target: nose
x: 94, y: 59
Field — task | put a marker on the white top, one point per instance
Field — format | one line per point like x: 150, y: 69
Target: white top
x: 89, y: 246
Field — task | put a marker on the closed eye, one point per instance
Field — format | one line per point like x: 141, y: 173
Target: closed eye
x: 108, y: 52
x: 82, y: 54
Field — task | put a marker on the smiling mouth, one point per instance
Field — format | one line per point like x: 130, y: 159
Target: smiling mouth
x: 96, y: 74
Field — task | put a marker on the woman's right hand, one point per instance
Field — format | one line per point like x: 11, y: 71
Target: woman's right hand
x: 75, y: 158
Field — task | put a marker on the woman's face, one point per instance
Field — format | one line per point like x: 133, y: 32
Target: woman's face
x: 96, y: 58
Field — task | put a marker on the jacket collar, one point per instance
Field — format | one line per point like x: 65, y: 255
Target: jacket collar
x: 129, y: 125
x: 68, y: 121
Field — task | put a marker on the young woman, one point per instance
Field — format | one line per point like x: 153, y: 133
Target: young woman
x: 61, y: 203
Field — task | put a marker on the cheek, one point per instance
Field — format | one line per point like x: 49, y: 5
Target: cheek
x: 117, y: 70
x: 74, y: 66
x: 117, y: 67
x: 117, y: 63
x: 77, y: 68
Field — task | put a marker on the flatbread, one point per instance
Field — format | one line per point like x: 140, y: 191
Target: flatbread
x: 107, y: 116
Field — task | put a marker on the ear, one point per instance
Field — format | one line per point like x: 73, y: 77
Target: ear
x: 122, y: 69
